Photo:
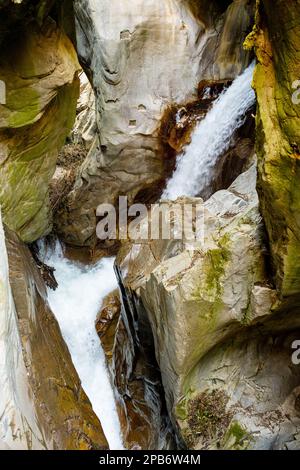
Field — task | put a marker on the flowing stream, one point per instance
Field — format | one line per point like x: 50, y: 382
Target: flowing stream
x: 211, y: 138
x: 75, y: 303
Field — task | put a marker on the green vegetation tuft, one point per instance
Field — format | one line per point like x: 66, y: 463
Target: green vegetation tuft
x: 207, y: 419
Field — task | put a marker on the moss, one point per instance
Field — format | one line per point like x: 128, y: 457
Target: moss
x: 206, y: 301
x: 24, y: 106
x: 208, y: 293
x: 34, y: 123
x: 237, y: 431
x: 217, y: 261
x: 250, y: 40
x: 214, y: 269
x: 207, y: 419
x: 30, y: 165
x: 237, y: 437
x: 181, y: 411
x: 278, y: 139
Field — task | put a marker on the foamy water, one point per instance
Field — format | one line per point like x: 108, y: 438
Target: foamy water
x: 75, y: 304
x: 211, y: 138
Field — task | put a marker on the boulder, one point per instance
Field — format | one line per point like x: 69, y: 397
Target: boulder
x: 244, y: 395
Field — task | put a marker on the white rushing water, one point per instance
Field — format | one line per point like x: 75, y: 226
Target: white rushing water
x: 211, y: 138
x: 75, y: 303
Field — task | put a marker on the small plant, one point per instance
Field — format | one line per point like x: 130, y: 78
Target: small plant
x: 208, y: 418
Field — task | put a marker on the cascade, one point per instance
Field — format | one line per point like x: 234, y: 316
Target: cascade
x: 75, y: 303
x: 211, y: 138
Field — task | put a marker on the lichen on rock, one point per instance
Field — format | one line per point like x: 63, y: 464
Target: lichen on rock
x: 276, y: 39
x: 197, y: 300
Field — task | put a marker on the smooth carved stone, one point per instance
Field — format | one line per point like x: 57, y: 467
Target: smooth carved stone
x: 149, y: 55
x: 85, y: 127
x: 276, y: 40
x: 138, y: 389
x: 39, y: 67
x: 42, y: 403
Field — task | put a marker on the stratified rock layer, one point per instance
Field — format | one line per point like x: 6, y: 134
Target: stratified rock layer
x: 42, y: 403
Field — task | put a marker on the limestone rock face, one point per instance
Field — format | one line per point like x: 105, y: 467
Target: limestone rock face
x: 142, y: 57
x: 188, y: 290
x: 203, y: 306
x: 38, y: 67
x: 276, y: 38
x: 85, y: 128
x: 42, y: 404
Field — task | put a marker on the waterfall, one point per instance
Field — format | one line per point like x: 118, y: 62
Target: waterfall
x: 75, y: 303
x: 212, y: 137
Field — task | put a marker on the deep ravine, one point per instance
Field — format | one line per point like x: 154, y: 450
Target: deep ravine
x: 150, y: 154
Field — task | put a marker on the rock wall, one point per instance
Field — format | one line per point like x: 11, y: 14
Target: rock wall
x: 221, y: 317
x: 85, y: 128
x: 276, y: 38
x: 38, y: 65
x: 141, y: 57
x: 213, y: 312
x: 42, y: 404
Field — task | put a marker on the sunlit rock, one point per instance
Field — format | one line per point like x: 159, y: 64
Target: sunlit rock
x: 84, y: 129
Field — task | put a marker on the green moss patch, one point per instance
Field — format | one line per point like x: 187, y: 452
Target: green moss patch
x: 237, y: 437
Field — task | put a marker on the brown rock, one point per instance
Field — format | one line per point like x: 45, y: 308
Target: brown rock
x: 63, y: 412
x: 140, y: 402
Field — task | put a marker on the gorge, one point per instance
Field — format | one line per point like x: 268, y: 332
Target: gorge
x: 158, y: 343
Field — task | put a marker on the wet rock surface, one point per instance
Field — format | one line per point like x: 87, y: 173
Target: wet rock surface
x: 44, y: 403
x: 140, y: 400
